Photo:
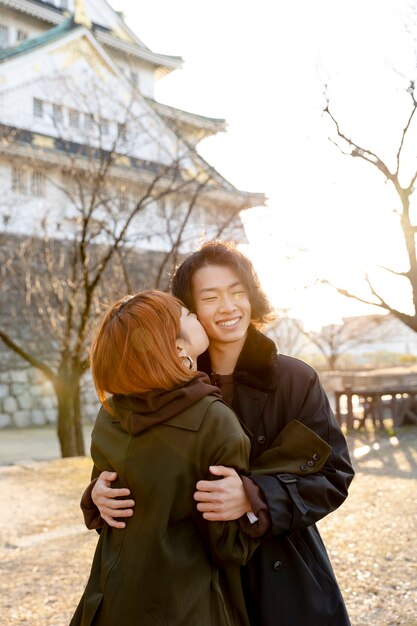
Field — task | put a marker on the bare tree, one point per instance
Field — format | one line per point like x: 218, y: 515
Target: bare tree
x: 82, y: 258
x: 400, y: 172
x: 288, y: 333
x: 335, y: 340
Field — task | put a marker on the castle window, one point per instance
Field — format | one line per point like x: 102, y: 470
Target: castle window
x: 38, y: 184
x: 105, y: 126
x: 161, y: 204
x: 57, y: 114
x: 74, y: 118
x: 21, y: 35
x: 88, y: 121
x: 121, y: 131
x: 134, y: 77
x: 38, y: 110
x: 123, y: 199
x: 175, y: 208
x: 19, y: 185
x: 4, y: 36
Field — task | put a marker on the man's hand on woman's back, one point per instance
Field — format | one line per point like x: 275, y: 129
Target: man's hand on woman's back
x: 105, y: 497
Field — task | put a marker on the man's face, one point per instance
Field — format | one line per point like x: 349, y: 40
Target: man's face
x: 222, y: 303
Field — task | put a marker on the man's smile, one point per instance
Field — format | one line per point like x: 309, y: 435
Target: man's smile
x: 229, y: 323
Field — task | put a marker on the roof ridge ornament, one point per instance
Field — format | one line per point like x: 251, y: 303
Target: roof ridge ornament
x: 80, y: 14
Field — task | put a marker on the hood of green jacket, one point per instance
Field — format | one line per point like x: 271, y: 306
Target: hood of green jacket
x: 138, y: 413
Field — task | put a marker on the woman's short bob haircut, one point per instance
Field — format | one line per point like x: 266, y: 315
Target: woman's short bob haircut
x: 222, y: 253
x: 134, y: 349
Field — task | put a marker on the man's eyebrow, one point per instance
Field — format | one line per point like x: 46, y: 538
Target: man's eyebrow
x: 238, y: 283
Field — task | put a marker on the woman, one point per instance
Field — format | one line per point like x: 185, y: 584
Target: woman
x: 161, y: 428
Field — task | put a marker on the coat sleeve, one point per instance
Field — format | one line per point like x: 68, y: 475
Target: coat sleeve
x: 92, y: 517
x: 224, y: 443
x: 296, y: 500
x: 91, y: 513
x: 286, y: 455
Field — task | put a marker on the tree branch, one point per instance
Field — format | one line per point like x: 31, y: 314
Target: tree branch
x: 29, y: 358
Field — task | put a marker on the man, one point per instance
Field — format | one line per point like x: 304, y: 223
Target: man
x: 279, y: 399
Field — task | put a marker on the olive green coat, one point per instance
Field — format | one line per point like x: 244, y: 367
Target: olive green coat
x: 165, y: 567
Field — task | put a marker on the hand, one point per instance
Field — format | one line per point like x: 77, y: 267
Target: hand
x: 224, y: 499
x: 104, y: 497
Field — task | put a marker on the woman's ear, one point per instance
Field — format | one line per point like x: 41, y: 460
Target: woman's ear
x: 185, y: 358
x: 180, y: 348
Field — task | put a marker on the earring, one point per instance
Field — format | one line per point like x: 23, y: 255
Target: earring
x: 187, y: 362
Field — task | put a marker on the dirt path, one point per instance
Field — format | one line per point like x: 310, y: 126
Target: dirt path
x: 45, y: 552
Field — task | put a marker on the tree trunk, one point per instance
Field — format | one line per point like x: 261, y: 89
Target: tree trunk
x: 332, y: 360
x: 70, y: 434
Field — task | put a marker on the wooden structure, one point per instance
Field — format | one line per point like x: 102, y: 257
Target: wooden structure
x: 377, y: 404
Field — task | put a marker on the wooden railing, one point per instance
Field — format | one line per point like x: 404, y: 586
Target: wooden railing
x: 397, y: 403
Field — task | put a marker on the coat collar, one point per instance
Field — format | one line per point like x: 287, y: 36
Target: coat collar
x: 257, y: 365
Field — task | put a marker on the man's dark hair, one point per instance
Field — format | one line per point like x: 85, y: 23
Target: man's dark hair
x: 222, y: 253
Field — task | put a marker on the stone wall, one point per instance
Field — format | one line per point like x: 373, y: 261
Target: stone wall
x: 27, y: 398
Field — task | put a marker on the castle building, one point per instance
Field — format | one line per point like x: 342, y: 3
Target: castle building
x: 73, y: 78
x: 86, y: 148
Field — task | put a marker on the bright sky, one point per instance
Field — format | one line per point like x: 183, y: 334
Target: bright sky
x: 262, y: 66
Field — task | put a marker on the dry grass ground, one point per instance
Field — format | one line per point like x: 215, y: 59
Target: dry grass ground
x: 45, y: 552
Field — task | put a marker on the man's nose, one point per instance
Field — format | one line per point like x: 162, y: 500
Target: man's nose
x: 227, y: 303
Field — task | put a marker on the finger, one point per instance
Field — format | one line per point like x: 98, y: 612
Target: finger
x: 215, y: 517
x: 214, y: 489
x: 109, y: 492
x: 220, y: 470
x: 220, y: 516
x: 207, y: 507
x: 111, y: 476
x: 116, y: 512
x: 111, y: 504
x: 207, y: 485
x: 113, y: 523
x: 205, y: 496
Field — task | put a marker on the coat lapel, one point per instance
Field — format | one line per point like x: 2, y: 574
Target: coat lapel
x: 250, y: 404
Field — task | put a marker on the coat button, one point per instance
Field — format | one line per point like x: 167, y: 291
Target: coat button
x: 261, y: 439
x: 316, y: 456
x: 303, y: 468
x: 310, y: 463
x: 277, y: 565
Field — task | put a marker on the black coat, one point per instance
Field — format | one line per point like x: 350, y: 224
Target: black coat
x: 289, y: 581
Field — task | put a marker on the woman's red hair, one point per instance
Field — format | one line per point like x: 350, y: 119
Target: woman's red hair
x: 134, y: 349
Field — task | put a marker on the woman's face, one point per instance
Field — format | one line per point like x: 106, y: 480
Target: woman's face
x: 193, y: 339
x: 222, y: 303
